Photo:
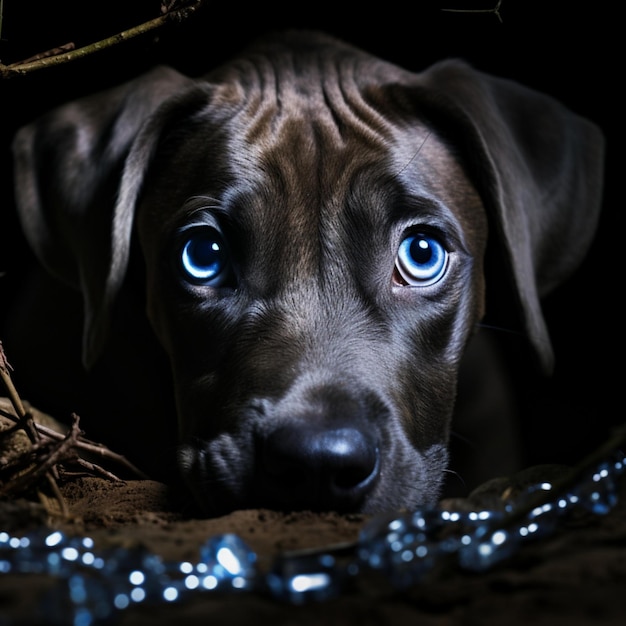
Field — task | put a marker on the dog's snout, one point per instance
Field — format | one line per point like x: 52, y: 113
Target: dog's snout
x: 319, y: 468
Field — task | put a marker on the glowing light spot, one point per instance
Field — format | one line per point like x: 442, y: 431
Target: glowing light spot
x: 70, y: 554
x: 170, y: 594
x: 121, y: 601
x: 309, y: 582
x: 498, y: 538
x: 138, y: 594
x: 54, y: 539
x: 54, y: 559
x: 485, y: 549
x: 192, y: 582
x: 227, y: 559
x: 209, y: 582
x: 136, y: 577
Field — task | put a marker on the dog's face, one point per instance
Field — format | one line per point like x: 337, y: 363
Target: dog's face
x: 313, y: 224
x: 314, y: 277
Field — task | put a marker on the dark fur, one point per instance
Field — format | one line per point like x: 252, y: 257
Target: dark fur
x: 312, y: 377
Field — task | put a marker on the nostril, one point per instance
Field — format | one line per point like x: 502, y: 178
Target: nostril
x: 321, y: 467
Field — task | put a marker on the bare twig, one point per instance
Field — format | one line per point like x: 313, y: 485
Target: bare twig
x: 62, y: 55
x: 495, y: 10
x: 50, y: 454
x: 5, y: 375
x: 49, y: 53
x: 81, y: 444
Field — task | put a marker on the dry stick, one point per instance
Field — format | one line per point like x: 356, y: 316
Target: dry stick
x: 21, y: 68
x: 495, y: 11
x: 80, y: 444
x: 46, y: 466
x: 25, y: 417
x: 34, y: 431
x: 27, y: 423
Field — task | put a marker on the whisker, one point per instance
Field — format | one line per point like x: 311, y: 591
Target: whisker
x: 456, y: 475
x: 501, y: 329
x: 415, y: 155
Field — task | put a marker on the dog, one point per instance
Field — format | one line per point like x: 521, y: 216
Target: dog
x: 276, y: 269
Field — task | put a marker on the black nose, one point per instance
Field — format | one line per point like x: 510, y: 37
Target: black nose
x: 310, y: 466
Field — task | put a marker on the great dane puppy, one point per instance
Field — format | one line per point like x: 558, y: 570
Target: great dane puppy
x: 307, y: 228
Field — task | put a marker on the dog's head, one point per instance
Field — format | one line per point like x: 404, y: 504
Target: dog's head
x: 313, y: 223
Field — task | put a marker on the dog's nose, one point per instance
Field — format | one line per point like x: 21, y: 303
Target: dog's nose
x: 319, y: 468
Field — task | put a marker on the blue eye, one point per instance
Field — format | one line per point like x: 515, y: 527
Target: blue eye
x: 422, y: 260
x: 204, y: 257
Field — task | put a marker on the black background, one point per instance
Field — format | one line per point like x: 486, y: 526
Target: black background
x: 565, y: 50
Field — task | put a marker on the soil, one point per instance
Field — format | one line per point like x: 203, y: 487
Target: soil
x: 575, y: 576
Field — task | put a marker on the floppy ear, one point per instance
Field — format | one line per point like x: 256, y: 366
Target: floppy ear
x: 68, y: 166
x: 539, y: 169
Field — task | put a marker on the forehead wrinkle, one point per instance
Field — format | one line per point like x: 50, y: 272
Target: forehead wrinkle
x: 305, y: 87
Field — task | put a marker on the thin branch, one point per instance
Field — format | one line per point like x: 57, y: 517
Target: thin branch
x: 5, y: 375
x: 49, y: 453
x: 81, y: 444
x: 51, y: 59
x: 495, y: 10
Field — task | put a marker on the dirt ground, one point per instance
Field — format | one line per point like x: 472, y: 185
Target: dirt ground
x: 577, y: 576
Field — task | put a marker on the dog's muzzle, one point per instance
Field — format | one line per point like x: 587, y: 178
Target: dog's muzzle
x: 318, y: 467
x: 320, y: 452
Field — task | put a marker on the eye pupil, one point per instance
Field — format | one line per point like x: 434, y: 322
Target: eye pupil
x: 422, y: 260
x: 420, y: 250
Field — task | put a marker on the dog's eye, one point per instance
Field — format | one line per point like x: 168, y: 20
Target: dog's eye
x: 422, y: 260
x: 204, y: 257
